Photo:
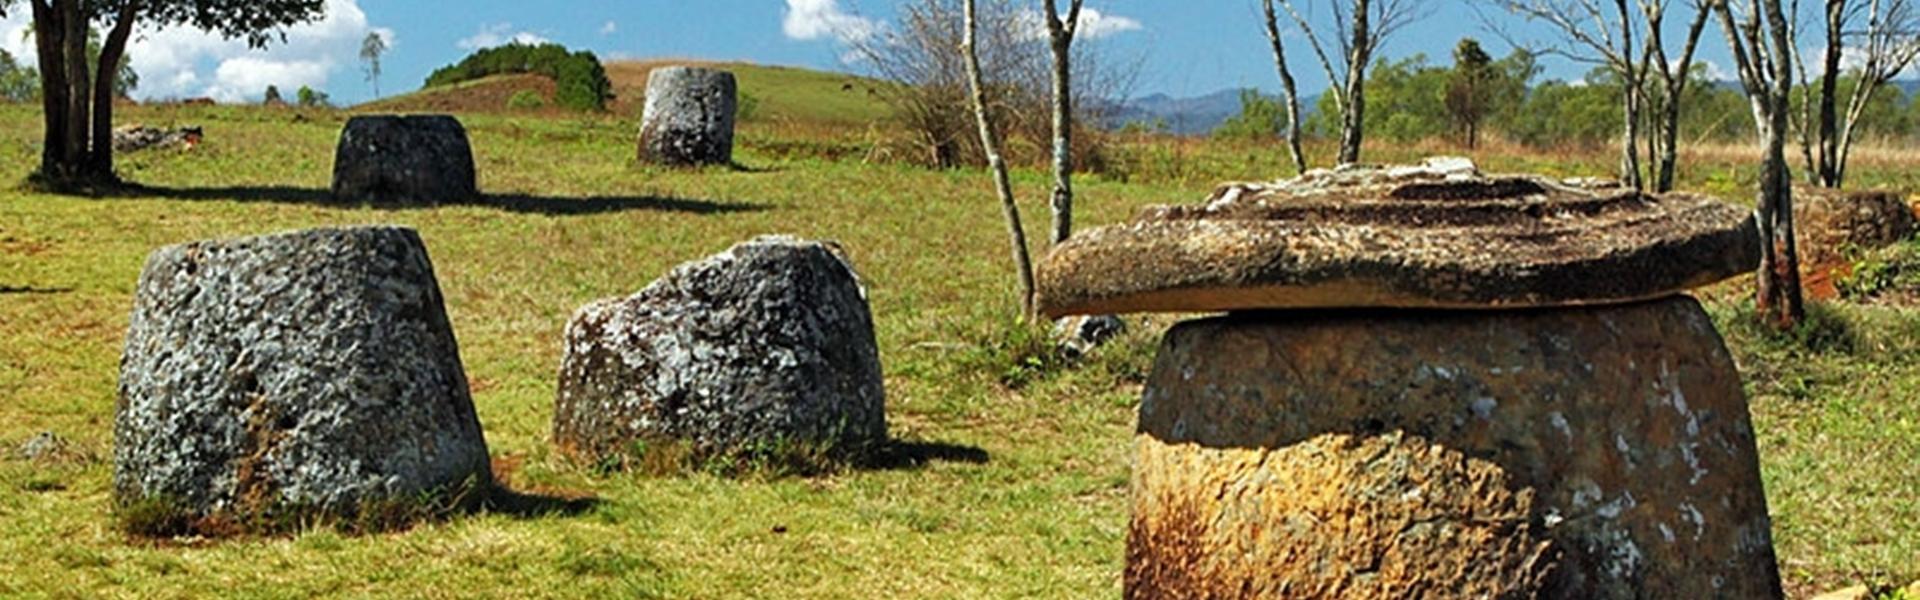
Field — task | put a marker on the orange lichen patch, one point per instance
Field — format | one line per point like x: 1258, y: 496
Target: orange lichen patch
x: 1327, y: 452
x: 1821, y: 281
x: 1337, y: 516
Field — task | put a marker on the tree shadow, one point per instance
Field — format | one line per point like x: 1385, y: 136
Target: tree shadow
x: 502, y: 500
x: 32, y: 291
x: 897, y: 454
x: 517, y: 203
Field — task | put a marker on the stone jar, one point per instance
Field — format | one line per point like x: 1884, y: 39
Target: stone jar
x: 415, y: 160
x: 688, y: 117
x: 1597, y: 452
x: 312, y: 371
x: 770, y: 342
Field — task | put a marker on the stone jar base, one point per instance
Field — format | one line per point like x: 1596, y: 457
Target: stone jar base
x: 1589, y: 453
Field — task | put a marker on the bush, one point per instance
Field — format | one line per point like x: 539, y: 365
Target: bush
x: 526, y: 100
x: 1260, y: 118
x: 581, y: 81
x: 1889, y: 273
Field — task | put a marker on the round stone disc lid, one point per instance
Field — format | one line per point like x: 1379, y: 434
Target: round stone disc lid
x: 1435, y: 236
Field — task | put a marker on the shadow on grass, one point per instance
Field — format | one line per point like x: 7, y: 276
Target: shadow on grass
x: 905, y: 454
x: 32, y: 291
x: 502, y: 500
x: 519, y: 203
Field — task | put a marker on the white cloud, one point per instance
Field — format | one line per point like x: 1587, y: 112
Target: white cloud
x: 820, y: 19
x: 1093, y: 24
x: 183, y: 62
x: 13, y: 38
x: 499, y: 34
x: 1715, y: 72
x: 609, y: 28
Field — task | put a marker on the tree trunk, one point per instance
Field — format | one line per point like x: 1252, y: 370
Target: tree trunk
x: 1857, y: 105
x: 1630, y: 82
x: 1354, y: 123
x: 1779, y: 293
x: 1827, y: 174
x: 1060, y: 36
x: 100, y: 163
x: 49, y: 30
x: 79, y: 88
x: 1669, y: 134
x: 1287, y: 86
x: 991, y: 145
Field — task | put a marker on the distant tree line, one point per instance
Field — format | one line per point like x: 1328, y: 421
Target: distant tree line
x: 580, y: 80
x: 1412, y: 100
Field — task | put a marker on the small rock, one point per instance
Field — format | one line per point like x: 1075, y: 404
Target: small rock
x: 1858, y: 592
x: 44, y: 446
x: 306, y: 371
x: 688, y: 117
x: 405, y: 160
x: 131, y: 138
x: 768, y: 342
x: 1078, y: 335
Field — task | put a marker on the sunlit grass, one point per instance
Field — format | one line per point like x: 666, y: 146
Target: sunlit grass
x: 573, y: 219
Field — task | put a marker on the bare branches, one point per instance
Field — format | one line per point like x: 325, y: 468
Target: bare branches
x: 1272, y: 22
x: 1023, y: 263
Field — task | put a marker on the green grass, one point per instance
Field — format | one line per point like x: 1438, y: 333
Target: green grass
x: 576, y: 220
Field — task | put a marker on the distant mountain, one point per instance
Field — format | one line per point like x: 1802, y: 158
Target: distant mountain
x: 1196, y: 115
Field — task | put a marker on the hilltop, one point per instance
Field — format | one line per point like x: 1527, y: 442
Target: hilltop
x: 772, y: 93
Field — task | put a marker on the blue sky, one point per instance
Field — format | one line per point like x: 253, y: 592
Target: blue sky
x: 1188, y: 47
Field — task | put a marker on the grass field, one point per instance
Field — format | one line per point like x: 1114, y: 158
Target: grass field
x: 1027, y: 500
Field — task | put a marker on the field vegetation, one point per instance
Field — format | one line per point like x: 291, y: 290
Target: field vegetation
x: 1010, y: 475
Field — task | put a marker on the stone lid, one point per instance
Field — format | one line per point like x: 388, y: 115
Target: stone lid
x: 1438, y: 235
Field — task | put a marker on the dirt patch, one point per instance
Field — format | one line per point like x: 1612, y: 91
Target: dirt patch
x: 487, y: 95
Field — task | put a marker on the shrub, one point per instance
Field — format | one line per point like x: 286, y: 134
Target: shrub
x: 526, y: 100
x: 581, y: 81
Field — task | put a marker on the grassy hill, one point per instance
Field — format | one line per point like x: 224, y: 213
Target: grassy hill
x: 777, y: 94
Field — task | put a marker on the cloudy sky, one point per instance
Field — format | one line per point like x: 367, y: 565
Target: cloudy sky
x: 1187, y: 47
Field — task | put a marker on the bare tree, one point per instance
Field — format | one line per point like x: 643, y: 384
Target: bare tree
x: 1360, y: 27
x: 1060, y: 41
x: 919, y: 56
x: 1761, y: 41
x: 1886, y: 45
x: 1673, y: 75
x: 370, y: 50
x: 1286, y: 86
x: 1603, y: 36
x: 988, y: 140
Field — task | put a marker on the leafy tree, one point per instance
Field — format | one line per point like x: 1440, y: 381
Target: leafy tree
x: 1260, y: 118
x: 1559, y: 112
x: 273, y: 96
x: 311, y: 98
x: 370, y: 51
x: 1469, y: 93
x: 78, y: 107
x: 581, y: 81
x: 17, y: 83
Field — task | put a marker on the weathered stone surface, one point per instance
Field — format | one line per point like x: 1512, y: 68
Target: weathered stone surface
x: 688, y: 117
x: 407, y: 160
x: 1598, y: 452
x: 43, y: 446
x: 1076, y: 336
x: 1438, y: 236
x: 311, y: 370
x: 1828, y: 222
x: 769, y: 341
